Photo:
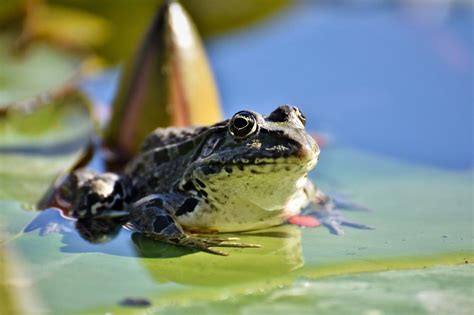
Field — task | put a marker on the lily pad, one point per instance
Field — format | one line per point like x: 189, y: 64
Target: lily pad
x: 36, y: 147
x: 19, y: 75
x: 440, y: 290
x: 414, y: 228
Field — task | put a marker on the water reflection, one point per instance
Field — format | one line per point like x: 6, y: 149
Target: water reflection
x: 97, y: 231
x: 281, y: 253
x: 281, y: 250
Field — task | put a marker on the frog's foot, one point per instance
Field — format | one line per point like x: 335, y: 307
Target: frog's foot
x: 334, y: 220
x: 205, y: 244
x: 327, y: 211
x: 343, y: 203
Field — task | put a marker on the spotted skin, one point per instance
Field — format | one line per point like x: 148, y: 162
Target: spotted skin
x: 244, y: 173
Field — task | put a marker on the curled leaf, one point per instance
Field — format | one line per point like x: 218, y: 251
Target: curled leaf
x: 168, y: 82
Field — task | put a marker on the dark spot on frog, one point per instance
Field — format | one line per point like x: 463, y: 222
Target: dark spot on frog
x: 186, y: 147
x: 135, y: 302
x: 187, y: 206
x: 228, y: 169
x: 203, y: 193
x: 189, y: 186
x: 241, y: 167
x: 161, y: 156
x: 209, y: 169
x: 200, y: 183
x: 161, y: 222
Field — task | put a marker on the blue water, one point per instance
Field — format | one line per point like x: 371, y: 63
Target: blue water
x: 394, y: 80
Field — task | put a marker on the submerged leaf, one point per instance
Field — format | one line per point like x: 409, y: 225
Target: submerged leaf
x: 167, y: 83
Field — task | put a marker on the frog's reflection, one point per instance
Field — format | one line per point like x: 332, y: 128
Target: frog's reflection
x: 280, y: 253
x: 99, y: 231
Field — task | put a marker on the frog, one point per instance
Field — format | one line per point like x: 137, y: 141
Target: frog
x: 187, y: 184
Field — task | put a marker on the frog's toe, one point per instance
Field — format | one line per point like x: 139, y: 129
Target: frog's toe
x: 238, y: 245
x: 342, y: 202
x: 201, y: 244
x: 205, y: 244
x: 334, y: 221
x: 216, y: 239
x: 228, y: 242
x: 213, y: 251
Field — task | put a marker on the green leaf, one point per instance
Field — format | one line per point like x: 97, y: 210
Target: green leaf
x: 35, y: 72
x: 38, y: 146
x: 414, y: 229
x: 441, y: 290
x: 167, y: 83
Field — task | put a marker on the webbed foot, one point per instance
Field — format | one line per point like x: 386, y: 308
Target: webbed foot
x: 334, y: 220
x: 205, y: 244
x: 326, y: 211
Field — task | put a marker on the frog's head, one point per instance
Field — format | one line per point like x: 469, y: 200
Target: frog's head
x: 262, y: 159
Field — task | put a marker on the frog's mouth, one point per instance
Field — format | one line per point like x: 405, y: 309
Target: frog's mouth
x: 260, y: 165
x: 302, y: 157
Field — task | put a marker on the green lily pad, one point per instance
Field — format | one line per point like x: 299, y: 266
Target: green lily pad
x: 19, y: 74
x: 36, y: 147
x: 414, y: 228
x: 440, y: 290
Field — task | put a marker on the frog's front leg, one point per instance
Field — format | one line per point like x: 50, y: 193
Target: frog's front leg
x: 327, y: 208
x: 152, y: 215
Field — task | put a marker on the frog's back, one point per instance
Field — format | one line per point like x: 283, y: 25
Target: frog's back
x: 163, y: 159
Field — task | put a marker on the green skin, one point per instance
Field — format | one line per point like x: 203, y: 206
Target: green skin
x: 245, y: 173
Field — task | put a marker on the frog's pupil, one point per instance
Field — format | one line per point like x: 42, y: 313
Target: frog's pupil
x: 240, y: 122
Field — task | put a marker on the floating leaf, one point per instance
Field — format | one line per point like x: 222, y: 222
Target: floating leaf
x: 167, y: 83
x: 441, y: 290
x: 38, y: 146
x: 40, y: 69
x: 414, y: 228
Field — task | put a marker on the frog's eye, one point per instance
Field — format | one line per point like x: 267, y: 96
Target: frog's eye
x: 300, y: 115
x: 243, y: 124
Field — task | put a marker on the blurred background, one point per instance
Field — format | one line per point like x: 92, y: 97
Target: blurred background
x: 394, y: 78
x: 387, y: 84
x: 390, y: 77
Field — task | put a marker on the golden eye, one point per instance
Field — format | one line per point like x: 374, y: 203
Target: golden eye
x: 243, y: 124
